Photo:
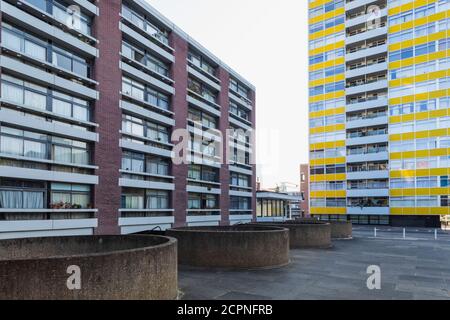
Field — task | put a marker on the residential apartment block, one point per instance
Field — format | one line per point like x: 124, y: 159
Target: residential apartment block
x: 379, y: 110
x: 92, y: 93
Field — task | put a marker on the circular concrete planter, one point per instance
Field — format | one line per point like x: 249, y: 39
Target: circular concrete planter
x: 237, y: 247
x: 341, y: 229
x: 110, y: 267
x: 305, y: 234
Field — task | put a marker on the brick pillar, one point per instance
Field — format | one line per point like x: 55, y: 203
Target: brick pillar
x: 180, y: 107
x: 224, y: 102
x: 107, y: 153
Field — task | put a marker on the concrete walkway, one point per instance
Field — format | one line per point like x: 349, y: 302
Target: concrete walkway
x: 410, y: 269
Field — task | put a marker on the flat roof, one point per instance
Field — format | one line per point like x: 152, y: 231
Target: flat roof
x: 276, y: 196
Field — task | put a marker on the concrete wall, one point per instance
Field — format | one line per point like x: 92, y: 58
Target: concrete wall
x: 241, y: 247
x: 112, y: 267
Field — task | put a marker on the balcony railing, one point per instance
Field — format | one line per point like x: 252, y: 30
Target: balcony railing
x: 367, y: 117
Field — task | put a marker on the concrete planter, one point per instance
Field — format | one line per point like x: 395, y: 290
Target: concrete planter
x: 110, y: 267
x: 341, y: 229
x: 305, y: 234
x: 238, y: 247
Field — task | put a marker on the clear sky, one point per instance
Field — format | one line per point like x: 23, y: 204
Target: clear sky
x: 266, y: 42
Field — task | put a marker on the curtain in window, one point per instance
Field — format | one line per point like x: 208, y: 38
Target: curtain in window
x: 33, y: 200
x: 80, y: 199
x: 152, y: 202
x: 12, y: 93
x: 11, y: 40
x: 62, y: 154
x: 11, y: 200
x: 34, y: 149
x: 80, y: 156
x: 35, y: 100
x: 10, y: 145
x: 134, y: 202
x: 62, y: 108
x: 35, y: 50
x: 60, y: 198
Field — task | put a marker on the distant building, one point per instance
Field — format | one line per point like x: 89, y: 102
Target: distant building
x: 276, y: 206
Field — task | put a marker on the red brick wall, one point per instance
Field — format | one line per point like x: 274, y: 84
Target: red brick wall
x: 304, y: 187
x: 107, y: 153
x: 180, y: 107
x: 224, y: 101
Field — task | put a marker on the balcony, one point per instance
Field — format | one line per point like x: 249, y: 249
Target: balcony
x: 367, y: 69
x: 240, y: 218
x: 365, y: 86
x: 46, y: 175
x: 154, y: 48
x: 48, y: 227
x: 368, y: 210
x: 368, y: 174
x: 367, y: 121
x: 139, y: 75
x: 379, y: 155
x: 40, y: 27
x: 361, y: 190
x: 365, y: 35
x: 367, y: 139
x: 134, y: 225
x: 367, y: 103
x: 363, y: 18
x: 353, y: 4
x: 361, y: 52
x: 195, y: 218
x: 200, y: 189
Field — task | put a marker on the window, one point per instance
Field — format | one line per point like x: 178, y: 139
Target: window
x: 133, y: 161
x: 69, y: 196
x: 158, y: 166
x: 200, y: 62
x: 239, y: 88
x: 22, y: 194
x: 157, y: 199
x: 132, y: 199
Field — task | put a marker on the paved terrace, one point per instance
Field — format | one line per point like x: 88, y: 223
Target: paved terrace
x: 415, y: 268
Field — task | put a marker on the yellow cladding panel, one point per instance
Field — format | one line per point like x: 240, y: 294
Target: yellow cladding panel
x: 420, y: 192
x: 420, y: 211
x: 328, y: 194
x: 327, y: 32
x: 317, y: 3
x: 328, y: 47
x: 419, y: 78
x: 327, y: 145
x: 419, y: 173
x: 332, y: 128
x: 420, y: 116
x: 409, y: 6
x: 328, y: 177
x: 419, y: 135
x: 328, y: 112
x: 419, y: 59
x: 420, y: 97
x: 327, y: 161
x: 315, y: 210
x: 327, y: 15
x: 326, y: 64
x: 420, y: 154
x: 323, y: 81
x: 327, y: 96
